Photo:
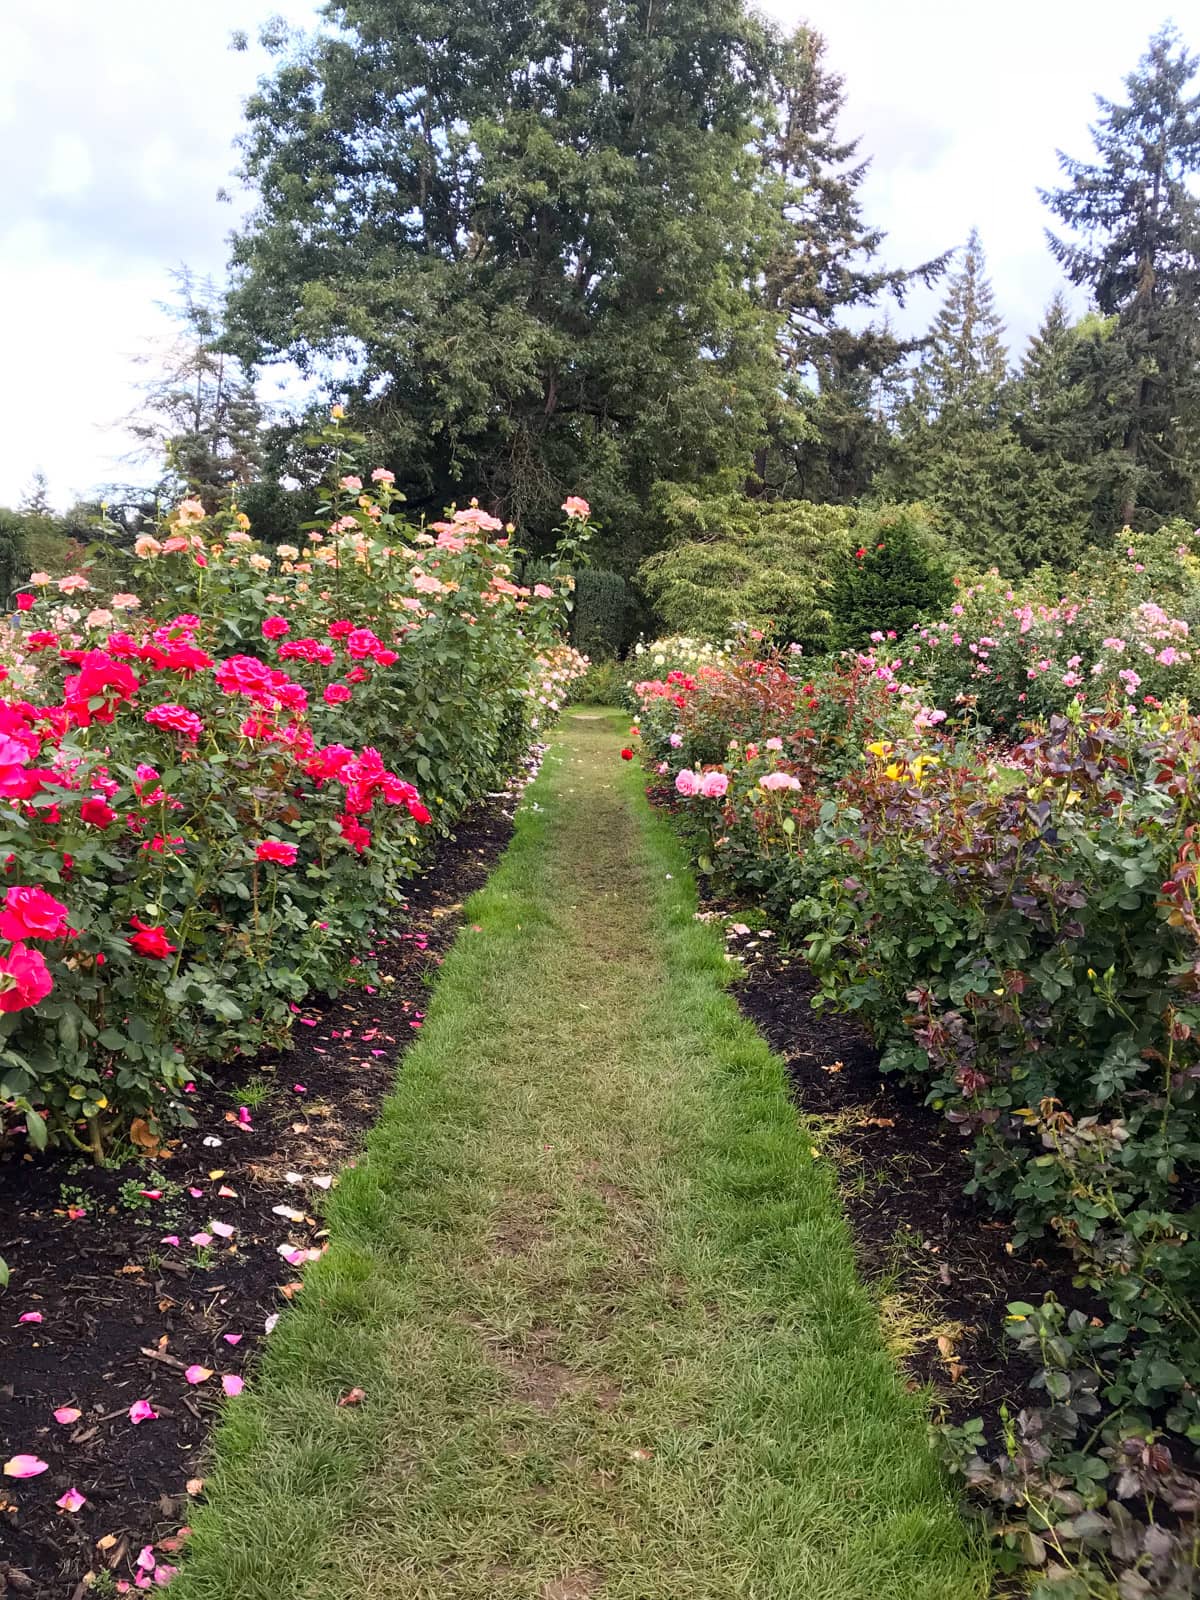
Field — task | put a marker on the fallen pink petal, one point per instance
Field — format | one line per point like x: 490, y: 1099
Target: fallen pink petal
x: 30, y: 1316
x: 232, y: 1384
x: 201, y: 1240
x: 67, y: 1414
x: 223, y: 1230
x: 197, y: 1373
x: 232, y: 1338
x: 142, y: 1411
x: 71, y: 1501
x: 25, y: 1467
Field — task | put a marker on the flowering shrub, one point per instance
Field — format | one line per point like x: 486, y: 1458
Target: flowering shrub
x: 1002, y: 655
x: 220, y: 776
x: 1020, y: 928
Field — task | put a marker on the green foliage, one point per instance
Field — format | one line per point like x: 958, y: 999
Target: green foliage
x: 890, y: 580
x: 828, y: 436
x: 1018, y: 928
x: 602, y: 684
x: 600, y: 618
x: 732, y: 559
x: 1123, y: 628
x: 1133, y: 239
x: 222, y: 849
x: 533, y: 233
x: 953, y: 451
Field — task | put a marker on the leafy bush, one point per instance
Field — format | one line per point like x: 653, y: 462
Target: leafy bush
x: 1020, y: 928
x: 731, y: 559
x: 891, y: 579
x: 219, y: 779
x: 1004, y: 654
x: 601, y: 685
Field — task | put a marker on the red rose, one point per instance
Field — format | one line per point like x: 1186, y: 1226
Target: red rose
x: 627, y: 754
x: 96, y: 811
x: 25, y: 602
x: 275, y: 627
x: 418, y: 812
x: 277, y: 850
x: 27, y: 978
x: 336, y: 694
x: 178, y: 718
x: 148, y: 941
x: 32, y: 914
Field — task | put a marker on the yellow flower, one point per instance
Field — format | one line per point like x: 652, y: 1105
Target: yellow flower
x: 896, y: 770
x: 881, y: 748
x: 337, y: 413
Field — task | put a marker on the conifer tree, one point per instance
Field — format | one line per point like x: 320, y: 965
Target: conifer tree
x: 827, y: 265
x: 1133, y: 239
x: 953, y: 449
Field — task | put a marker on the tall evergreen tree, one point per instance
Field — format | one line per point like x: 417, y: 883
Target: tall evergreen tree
x: 1134, y: 241
x: 530, y: 231
x: 1066, y: 406
x: 199, y: 413
x: 826, y: 267
x: 953, y: 448
x: 963, y: 368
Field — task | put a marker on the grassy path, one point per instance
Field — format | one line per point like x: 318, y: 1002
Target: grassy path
x: 599, y: 1297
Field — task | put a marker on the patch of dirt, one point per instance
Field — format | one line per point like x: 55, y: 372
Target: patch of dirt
x: 578, y: 1585
x: 122, y: 1314
x: 538, y: 1378
x: 521, y: 1224
x: 943, y: 1261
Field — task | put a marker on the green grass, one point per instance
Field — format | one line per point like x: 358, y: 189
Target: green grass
x: 600, y: 1297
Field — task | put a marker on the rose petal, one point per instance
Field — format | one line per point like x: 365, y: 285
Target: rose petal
x: 200, y: 1240
x: 71, y: 1501
x: 197, y: 1374
x: 30, y: 1316
x: 142, y: 1411
x: 232, y: 1384
x: 67, y: 1414
x: 171, y: 1238
x: 223, y: 1230
x: 146, y: 1559
x: 232, y: 1338
x: 25, y: 1467
x: 271, y: 1323
x: 196, y: 1194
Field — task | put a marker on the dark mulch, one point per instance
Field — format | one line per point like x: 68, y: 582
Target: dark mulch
x: 943, y: 1262
x: 123, y: 1315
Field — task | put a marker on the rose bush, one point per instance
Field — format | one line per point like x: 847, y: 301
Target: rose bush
x: 1019, y: 927
x: 219, y: 778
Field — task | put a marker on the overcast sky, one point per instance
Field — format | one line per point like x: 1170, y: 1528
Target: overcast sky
x: 117, y: 119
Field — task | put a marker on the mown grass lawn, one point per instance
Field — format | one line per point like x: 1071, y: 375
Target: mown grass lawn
x: 598, y: 1296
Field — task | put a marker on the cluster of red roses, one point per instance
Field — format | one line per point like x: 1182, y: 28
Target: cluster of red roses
x: 46, y: 772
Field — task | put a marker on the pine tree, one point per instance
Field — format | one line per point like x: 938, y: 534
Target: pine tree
x: 965, y: 363
x: 199, y: 411
x: 36, y: 500
x: 953, y: 448
x: 1134, y: 241
x: 1057, y: 419
x: 825, y: 267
